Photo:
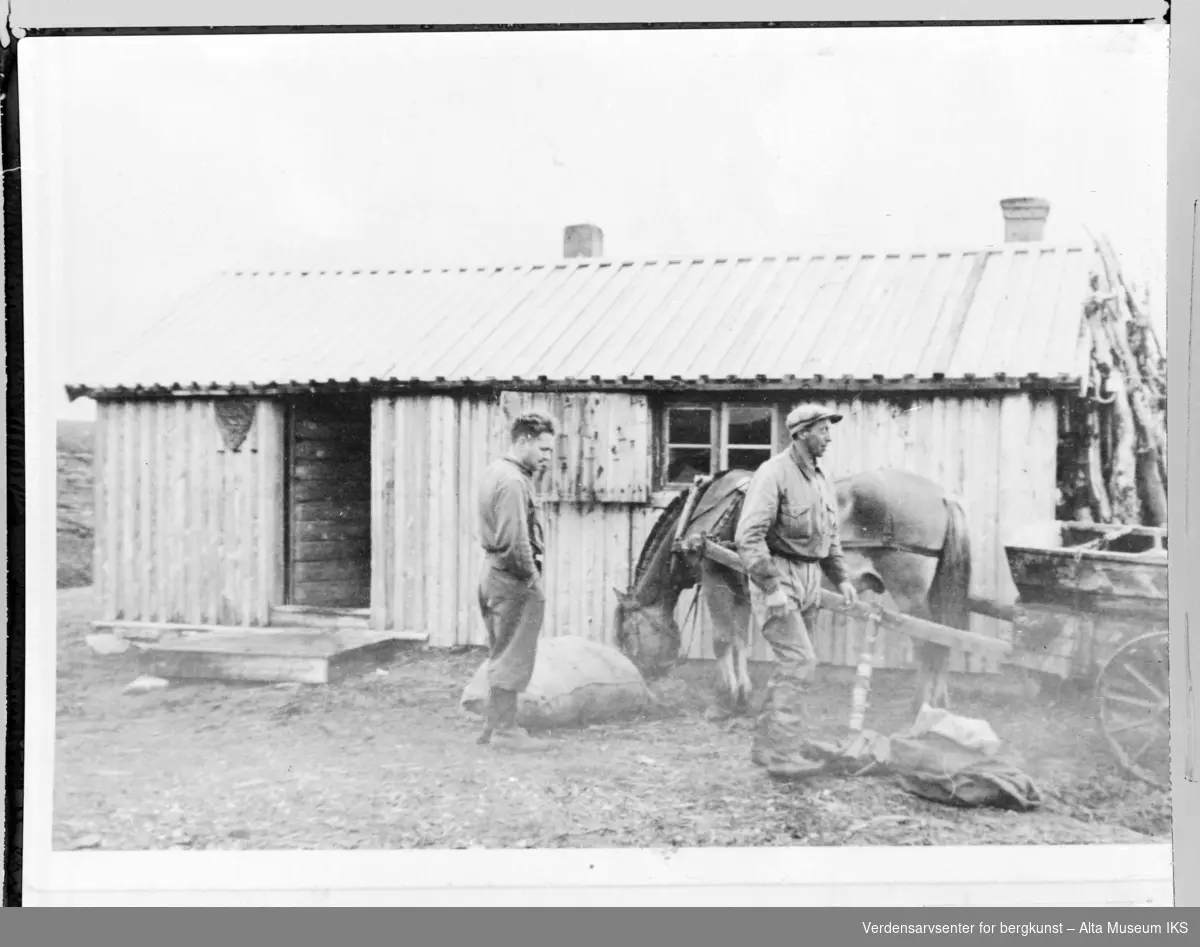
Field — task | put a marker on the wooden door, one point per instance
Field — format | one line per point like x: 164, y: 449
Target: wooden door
x: 329, y: 502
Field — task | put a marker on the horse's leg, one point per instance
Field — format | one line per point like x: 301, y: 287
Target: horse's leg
x: 727, y: 634
x: 745, y: 685
x: 735, y: 681
x: 740, y: 622
x: 906, y: 578
x: 723, y: 649
x: 933, y: 662
x: 736, y: 595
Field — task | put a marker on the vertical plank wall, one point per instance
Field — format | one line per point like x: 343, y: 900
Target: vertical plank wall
x: 186, y: 531
x: 430, y: 452
x: 997, y: 454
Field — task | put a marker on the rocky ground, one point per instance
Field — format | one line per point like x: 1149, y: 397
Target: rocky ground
x: 386, y: 759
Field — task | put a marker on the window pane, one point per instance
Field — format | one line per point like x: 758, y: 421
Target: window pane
x: 749, y: 424
x: 689, y: 426
x: 748, y: 458
x: 684, y: 463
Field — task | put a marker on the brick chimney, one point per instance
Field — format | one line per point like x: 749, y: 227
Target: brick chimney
x: 583, y: 240
x: 1024, y: 219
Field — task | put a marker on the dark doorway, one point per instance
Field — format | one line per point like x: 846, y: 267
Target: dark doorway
x: 328, y: 498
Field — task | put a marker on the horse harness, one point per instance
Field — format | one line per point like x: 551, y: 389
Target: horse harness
x: 701, y: 483
x: 888, y: 540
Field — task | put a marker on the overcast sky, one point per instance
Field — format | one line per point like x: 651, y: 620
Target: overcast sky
x: 160, y: 160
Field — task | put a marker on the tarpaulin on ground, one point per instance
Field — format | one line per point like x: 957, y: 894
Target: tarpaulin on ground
x: 948, y: 759
x: 575, y: 682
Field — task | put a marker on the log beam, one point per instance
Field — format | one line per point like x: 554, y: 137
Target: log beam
x: 917, y: 628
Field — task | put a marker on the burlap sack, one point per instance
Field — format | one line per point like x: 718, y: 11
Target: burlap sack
x: 575, y: 682
x: 942, y: 757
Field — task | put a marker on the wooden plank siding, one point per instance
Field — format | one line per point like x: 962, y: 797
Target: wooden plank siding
x: 430, y: 451
x: 604, y: 444
x: 997, y: 454
x: 186, y: 531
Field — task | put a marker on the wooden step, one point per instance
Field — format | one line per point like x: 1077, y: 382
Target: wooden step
x: 167, y: 630
x: 313, y: 616
x: 300, y: 655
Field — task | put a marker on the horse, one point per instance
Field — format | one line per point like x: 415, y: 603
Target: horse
x: 901, y: 533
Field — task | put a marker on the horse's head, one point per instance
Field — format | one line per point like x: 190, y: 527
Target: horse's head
x: 646, y: 634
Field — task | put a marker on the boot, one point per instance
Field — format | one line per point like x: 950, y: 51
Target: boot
x: 490, y: 720
x: 781, y: 728
x: 505, y: 734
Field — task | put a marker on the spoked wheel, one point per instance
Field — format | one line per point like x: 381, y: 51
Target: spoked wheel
x: 1133, y: 690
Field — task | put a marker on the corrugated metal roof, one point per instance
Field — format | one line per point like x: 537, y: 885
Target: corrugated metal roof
x: 1013, y: 310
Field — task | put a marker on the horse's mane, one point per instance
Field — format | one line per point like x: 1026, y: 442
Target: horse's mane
x: 667, y: 520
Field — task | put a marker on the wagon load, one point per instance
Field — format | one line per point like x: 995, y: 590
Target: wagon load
x: 575, y: 682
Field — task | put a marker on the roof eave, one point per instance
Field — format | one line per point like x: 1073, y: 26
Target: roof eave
x: 966, y: 385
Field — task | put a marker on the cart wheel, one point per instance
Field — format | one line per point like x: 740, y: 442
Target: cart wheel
x: 1133, y: 689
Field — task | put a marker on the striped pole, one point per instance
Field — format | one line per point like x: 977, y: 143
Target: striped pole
x: 862, y: 679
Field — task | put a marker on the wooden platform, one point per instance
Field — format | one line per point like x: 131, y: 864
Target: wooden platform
x: 300, y: 655
x: 310, y: 616
x: 311, y: 651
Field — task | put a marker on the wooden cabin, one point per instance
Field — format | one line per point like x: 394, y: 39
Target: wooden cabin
x: 303, y: 448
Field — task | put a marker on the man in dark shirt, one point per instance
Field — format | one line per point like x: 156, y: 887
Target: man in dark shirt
x: 787, y: 536
x: 510, y: 590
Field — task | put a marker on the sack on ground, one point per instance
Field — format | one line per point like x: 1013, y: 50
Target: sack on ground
x: 575, y: 682
x: 942, y: 757
x: 957, y: 761
x: 936, y: 768
x: 965, y: 731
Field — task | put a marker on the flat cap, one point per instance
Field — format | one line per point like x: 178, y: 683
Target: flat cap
x: 806, y: 414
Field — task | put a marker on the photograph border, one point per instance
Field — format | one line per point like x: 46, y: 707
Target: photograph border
x: 968, y: 875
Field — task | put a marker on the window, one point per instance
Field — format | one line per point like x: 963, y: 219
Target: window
x: 690, y: 441
x: 749, y: 435
x: 702, y: 439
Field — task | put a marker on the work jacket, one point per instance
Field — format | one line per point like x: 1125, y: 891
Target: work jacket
x: 510, y: 522
x: 790, y: 511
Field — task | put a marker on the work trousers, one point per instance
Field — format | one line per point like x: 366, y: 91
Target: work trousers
x: 781, y: 730
x: 513, y: 611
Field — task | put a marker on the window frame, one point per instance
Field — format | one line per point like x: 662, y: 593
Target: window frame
x: 770, y: 448
x: 719, y: 445
x: 666, y: 444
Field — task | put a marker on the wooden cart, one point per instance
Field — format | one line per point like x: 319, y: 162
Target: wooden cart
x: 1092, y: 604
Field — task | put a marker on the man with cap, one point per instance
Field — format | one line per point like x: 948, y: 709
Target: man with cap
x: 787, y: 536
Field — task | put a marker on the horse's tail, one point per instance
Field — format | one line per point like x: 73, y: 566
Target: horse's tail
x: 949, y: 593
